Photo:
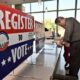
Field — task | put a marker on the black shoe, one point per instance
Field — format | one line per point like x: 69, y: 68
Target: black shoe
x: 63, y: 77
x: 72, y: 77
x: 66, y: 68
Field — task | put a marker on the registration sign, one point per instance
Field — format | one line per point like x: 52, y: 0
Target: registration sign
x: 16, y: 38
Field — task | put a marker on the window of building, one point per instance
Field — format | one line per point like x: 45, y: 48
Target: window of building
x: 78, y: 15
x: 67, y: 13
x: 66, y: 4
x: 78, y: 6
x: 50, y: 16
x: 26, y: 7
x: 36, y: 6
x: 50, y: 5
x: 38, y: 16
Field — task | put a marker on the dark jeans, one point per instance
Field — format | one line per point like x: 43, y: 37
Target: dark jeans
x: 74, y: 58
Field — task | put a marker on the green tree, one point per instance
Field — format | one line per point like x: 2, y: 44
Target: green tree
x: 49, y: 24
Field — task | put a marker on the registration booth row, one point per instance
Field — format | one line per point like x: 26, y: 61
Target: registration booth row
x: 21, y: 38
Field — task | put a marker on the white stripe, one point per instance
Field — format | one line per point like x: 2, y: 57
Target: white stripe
x: 14, y: 38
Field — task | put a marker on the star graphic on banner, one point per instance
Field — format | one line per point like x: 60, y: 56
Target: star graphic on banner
x: 31, y: 46
x: 3, y: 62
x: 28, y: 48
x: 9, y: 59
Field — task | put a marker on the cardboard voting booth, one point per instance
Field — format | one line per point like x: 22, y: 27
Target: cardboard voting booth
x: 39, y: 36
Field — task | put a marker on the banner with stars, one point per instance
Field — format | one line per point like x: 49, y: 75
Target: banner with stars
x: 16, y: 38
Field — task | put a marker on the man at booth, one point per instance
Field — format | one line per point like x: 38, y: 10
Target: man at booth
x: 72, y: 36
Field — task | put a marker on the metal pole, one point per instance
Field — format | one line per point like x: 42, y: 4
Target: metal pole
x: 57, y: 7
x: 76, y: 8
x: 57, y: 25
x: 57, y: 16
x: 43, y: 18
x: 30, y: 7
x: 43, y: 11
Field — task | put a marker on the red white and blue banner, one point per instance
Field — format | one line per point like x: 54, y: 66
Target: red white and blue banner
x: 16, y: 38
x: 39, y: 31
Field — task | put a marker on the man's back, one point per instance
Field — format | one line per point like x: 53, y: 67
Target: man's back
x: 74, y: 33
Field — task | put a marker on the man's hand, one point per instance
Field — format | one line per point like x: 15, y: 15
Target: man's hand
x: 59, y: 41
x: 66, y: 44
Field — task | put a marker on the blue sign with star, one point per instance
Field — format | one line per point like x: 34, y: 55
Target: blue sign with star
x: 13, y: 56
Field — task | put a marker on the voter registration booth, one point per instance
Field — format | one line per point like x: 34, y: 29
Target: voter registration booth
x: 28, y: 35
